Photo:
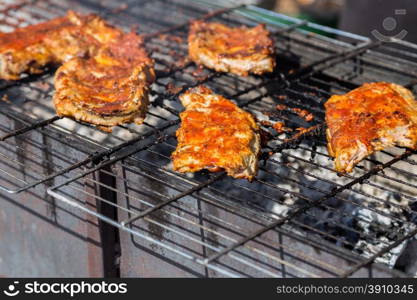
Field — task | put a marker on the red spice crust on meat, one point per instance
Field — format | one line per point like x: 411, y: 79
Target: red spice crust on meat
x: 239, y: 50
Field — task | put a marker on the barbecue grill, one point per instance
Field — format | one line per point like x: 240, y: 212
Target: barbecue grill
x: 298, y: 218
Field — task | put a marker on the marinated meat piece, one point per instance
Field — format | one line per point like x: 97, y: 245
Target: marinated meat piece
x: 88, y: 34
x: 24, y: 50
x: 32, y: 48
x: 368, y: 119
x: 105, y: 73
x: 109, y: 88
x: 216, y: 134
x: 239, y: 50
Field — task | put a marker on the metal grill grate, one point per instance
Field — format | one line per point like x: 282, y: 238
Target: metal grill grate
x: 298, y: 218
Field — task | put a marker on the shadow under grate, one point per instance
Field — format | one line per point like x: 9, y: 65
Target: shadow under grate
x: 299, y: 218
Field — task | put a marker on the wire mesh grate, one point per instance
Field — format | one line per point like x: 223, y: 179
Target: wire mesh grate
x: 213, y: 225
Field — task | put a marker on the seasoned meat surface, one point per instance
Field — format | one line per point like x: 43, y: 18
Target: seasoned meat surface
x: 215, y: 134
x: 368, y: 119
x: 88, y: 34
x: 24, y: 50
x: 109, y: 88
x: 32, y: 48
x: 239, y: 50
x: 104, y: 74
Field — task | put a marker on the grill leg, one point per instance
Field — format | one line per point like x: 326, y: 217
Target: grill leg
x: 407, y: 262
x: 109, y: 234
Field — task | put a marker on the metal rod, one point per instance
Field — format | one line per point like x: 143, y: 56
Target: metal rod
x: 185, y: 24
x: 29, y: 128
x: 371, y: 259
x: 140, y: 235
x: 179, y: 196
x: 302, y: 209
x: 286, y: 82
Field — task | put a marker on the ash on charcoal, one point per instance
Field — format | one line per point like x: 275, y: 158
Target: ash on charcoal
x: 365, y: 219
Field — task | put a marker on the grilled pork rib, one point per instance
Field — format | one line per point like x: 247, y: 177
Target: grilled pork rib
x: 215, y: 134
x: 109, y: 88
x: 237, y: 50
x: 32, y: 48
x: 105, y: 73
x: 368, y: 119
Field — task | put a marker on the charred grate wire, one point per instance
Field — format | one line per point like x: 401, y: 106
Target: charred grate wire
x: 296, y: 79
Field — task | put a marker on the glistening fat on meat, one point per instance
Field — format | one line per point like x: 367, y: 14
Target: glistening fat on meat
x: 240, y: 50
x: 216, y: 134
x: 105, y: 74
x: 368, y: 119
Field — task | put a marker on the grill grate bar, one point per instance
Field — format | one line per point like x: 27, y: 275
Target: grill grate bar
x: 161, y: 74
x: 179, y: 196
x: 300, y: 210
x: 4, y: 85
x: 400, y: 171
x: 29, y: 128
x: 305, y: 77
x: 131, y: 152
x: 156, y: 222
x: 322, y: 191
x: 199, y: 197
x: 207, y: 229
x: 354, y: 191
x: 274, y: 200
x: 304, y: 72
x: 205, y: 199
x: 123, y: 179
x: 371, y: 259
x: 375, y: 162
x: 138, y: 234
x: 336, y: 58
x: 185, y: 24
x: 94, y: 157
x: 316, y: 131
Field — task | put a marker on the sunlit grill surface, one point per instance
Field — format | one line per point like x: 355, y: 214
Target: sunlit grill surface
x: 298, y: 218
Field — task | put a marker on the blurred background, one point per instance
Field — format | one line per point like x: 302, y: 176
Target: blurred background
x: 377, y: 19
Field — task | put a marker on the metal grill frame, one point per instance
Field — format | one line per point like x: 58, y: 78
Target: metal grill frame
x: 100, y: 159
